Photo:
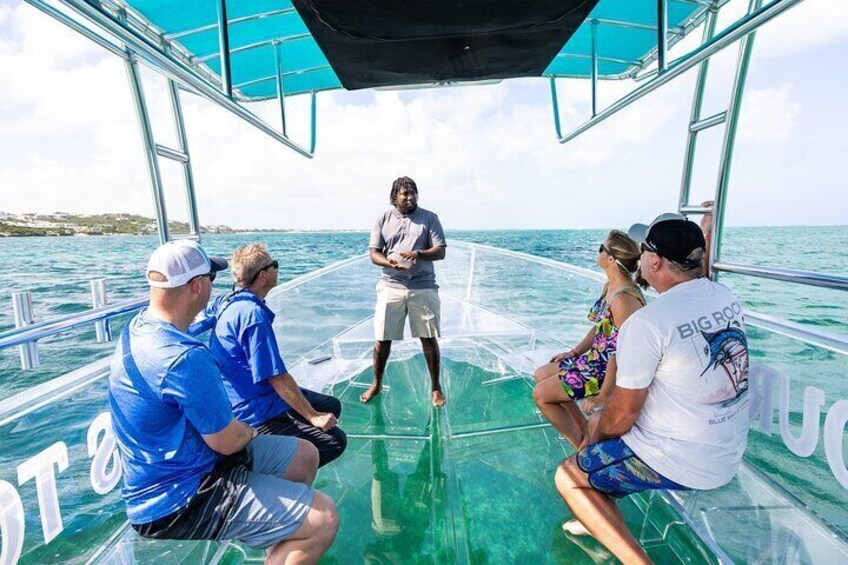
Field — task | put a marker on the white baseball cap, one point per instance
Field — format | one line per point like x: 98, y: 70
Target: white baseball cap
x: 179, y: 261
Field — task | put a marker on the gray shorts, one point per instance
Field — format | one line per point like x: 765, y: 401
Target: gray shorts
x: 244, y: 498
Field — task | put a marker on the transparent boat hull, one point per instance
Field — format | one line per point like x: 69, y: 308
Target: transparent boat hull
x: 471, y: 482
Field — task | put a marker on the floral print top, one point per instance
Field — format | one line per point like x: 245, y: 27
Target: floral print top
x: 582, y: 376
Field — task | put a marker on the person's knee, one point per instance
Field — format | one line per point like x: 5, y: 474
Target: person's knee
x: 341, y: 439
x: 540, y: 394
x: 304, y: 466
x: 326, y: 515
x: 566, y: 475
x: 335, y: 448
x: 309, y: 455
x: 541, y: 374
x: 334, y: 405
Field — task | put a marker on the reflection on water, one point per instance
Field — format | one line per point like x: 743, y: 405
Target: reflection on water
x: 401, y: 517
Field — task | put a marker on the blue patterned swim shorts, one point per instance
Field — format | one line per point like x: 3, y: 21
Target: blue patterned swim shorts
x: 615, y: 470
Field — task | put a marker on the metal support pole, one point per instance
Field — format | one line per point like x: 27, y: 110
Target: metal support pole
x: 224, y: 49
x: 314, y: 122
x: 22, y: 307
x: 188, y: 177
x: 733, y: 112
x: 152, y: 52
x: 281, y: 93
x: 555, y: 105
x: 149, y: 144
x: 662, y: 36
x: 695, y: 116
x: 594, y: 28
x: 98, y: 300
x: 728, y: 36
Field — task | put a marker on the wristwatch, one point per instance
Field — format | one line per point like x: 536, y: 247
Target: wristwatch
x: 418, y: 254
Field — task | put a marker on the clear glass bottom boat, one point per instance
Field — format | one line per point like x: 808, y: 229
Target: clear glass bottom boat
x: 471, y: 482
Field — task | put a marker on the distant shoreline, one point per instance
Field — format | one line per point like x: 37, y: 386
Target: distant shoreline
x: 319, y: 231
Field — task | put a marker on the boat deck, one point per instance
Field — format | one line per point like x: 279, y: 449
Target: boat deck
x: 471, y: 482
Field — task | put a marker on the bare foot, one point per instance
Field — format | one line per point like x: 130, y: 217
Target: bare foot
x: 369, y: 394
x: 575, y: 528
x: 438, y: 398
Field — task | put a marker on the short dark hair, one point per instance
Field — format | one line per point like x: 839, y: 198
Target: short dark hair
x: 402, y: 182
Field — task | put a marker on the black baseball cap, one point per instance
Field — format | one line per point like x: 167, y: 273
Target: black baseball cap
x: 671, y: 235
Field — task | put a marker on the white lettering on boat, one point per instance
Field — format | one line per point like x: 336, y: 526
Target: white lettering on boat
x: 40, y: 468
x: 12, y: 524
x: 764, y: 380
x: 103, y: 478
x: 834, y: 428
x: 805, y: 444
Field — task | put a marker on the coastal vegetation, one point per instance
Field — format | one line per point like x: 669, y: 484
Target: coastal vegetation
x: 64, y: 224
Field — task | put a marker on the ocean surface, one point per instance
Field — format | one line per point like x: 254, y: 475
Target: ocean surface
x: 57, y: 271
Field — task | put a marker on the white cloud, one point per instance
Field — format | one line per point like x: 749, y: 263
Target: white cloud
x: 810, y: 24
x: 769, y: 114
x: 483, y: 156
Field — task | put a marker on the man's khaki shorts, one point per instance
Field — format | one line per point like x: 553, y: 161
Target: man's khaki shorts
x: 393, y: 304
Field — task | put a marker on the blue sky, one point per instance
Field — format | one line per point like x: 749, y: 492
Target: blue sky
x: 483, y: 157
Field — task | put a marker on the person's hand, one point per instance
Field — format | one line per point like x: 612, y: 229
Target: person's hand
x: 592, y: 428
x: 560, y: 357
x: 411, y: 256
x: 324, y: 421
x: 707, y: 219
x: 592, y: 404
x: 396, y: 265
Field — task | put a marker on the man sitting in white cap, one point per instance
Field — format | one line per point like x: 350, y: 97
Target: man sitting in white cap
x: 678, y: 416
x: 191, y: 471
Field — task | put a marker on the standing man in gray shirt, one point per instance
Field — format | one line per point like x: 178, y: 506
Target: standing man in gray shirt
x: 405, y: 241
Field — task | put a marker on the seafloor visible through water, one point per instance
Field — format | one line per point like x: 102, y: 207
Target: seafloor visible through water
x: 471, y: 483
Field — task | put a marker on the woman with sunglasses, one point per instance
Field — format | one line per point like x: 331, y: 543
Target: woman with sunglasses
x: 587, y: 372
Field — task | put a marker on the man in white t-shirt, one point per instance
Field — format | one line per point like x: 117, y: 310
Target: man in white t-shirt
x: 678, y: 416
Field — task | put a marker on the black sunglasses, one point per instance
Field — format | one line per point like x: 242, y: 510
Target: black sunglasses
x: 603, y: 249
x: 210, y: 274
x: 645, y: 246
x: 274, y: 264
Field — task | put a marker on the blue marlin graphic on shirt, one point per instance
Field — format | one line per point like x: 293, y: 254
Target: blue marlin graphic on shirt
x: 728, y: 349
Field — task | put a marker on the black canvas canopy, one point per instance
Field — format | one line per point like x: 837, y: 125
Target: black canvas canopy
x: 373, y: 43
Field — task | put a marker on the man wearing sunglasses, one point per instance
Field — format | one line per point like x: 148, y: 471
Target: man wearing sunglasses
x: 678, y: 416
x: 262, y: 392
x: 191, y: 470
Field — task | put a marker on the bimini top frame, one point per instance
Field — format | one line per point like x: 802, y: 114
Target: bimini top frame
x: 120, y: 30
x: 231, y: 52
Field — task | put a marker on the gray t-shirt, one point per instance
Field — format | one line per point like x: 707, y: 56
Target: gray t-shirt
x: 395, y: 232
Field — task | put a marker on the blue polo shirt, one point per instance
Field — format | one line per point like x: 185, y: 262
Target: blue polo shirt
x: 245, y: 347
x: 164, y: 392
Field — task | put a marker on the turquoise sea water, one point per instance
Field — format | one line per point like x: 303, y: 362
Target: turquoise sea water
x: 57, y: 271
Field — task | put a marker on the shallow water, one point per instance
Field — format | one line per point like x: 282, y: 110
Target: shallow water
x: 454, y: 508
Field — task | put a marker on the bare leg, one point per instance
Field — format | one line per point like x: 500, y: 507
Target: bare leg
x: 545, y: 372
x: 430, y: 345
x: 312, y: 539
x: 598, y: 512
x: 560, y: 410
x: 304, y: 464
x: 382, y: 349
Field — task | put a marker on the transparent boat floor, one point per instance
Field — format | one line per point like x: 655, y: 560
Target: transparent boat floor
x: 468, y: 483
x: 471, y: 482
